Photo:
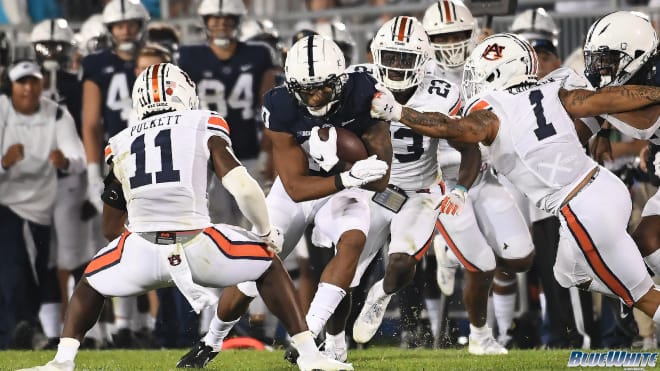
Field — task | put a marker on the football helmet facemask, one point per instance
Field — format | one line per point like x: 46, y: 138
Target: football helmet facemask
x: 233, y: 9
x: 612, y: 57
x: 117, y: 11
x: 314, y: 72
x: 400, y: 49
x: 452, y: 31
x: 163, y: 88
x: 53, y: 43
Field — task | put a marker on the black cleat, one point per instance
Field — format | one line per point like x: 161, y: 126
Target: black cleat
x: 198, y: 357
x: 291, y: 354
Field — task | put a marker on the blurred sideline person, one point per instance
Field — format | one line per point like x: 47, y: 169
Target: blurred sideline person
x: 232, y: 77
x: 535, y: 143
x: 313, y: 185
x: 71, y: 246
x: 406, y: 212
x: 174, y: 247
x: 37, y: 138
x: 490, y: 237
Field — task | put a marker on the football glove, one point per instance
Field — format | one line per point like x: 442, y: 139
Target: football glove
x: 324, y: 152
x: 274, y: 239
x: 384, y: 106
x: 363, y: 172
x: 453, y: 202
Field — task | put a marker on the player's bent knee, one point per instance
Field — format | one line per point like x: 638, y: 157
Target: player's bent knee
x: 248, y: 288
x: 517, y: 265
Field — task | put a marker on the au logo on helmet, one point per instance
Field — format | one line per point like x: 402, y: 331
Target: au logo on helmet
x: 493, y: 52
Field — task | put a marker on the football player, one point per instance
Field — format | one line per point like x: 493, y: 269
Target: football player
x: 232, y: 77
x: 490, y: 237
x: 163, y: 159
x: 406, y: 212
x: 529, y: 128
x: 608, y: 63
x: 313, y: 184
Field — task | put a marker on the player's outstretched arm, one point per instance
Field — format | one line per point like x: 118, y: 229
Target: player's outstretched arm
x: 377, y: 141
x: 478, y: 126
x: 615, y: 99
x: 249, y: 196
x: 470, y: 162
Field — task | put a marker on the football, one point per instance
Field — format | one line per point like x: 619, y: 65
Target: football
x: 350, y: 147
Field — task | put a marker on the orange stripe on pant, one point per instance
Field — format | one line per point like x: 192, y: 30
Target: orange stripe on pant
x: 108, y: 259
x: 593, y: 257
x: 239, y: 250
x: 420, y: 254
x: 469, y: 266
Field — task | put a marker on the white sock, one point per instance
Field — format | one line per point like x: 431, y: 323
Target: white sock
x: 480, y: 332
x: 67, y: 350
x: 124, y: 308
x: 653, y: 261
x: 304, y: 344
x: 50, y: 318
x: 433, y: 310
x: 336, y: 341
x: 218, y: 331
x: 326, y: 300
x: 504, y: 306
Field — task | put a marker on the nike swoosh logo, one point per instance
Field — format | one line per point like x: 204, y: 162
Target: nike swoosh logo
x: 245, y: 68
x: 623, y: 313
x: 347, y: 122
x: 319, y: 159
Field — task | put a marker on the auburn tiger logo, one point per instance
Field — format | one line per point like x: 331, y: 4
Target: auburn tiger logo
x: 493, y: 52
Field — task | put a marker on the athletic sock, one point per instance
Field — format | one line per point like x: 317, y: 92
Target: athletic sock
x: 326, y: 300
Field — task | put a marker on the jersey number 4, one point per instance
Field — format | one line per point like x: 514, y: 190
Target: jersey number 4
x: 545, y: 129
x: 167, y: 173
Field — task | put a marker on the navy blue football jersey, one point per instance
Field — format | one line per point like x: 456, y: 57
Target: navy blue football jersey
x: 283, y: 113
x: 231, y: 88
x: 115, y: 77
x: 649, y: 75
x: 69, y: 91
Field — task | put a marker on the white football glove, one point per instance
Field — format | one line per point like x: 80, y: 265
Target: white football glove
x: 384, y: 106
x: 274, y: 239
x: 95, y: 186
x: 363, y: 172
x: 453, y: 202
x: 324, y: 152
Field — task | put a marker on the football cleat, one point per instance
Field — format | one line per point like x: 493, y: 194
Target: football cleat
x: 336, y: 353
x: 371, y: 315
x: 53, y: 366
x: 291, y: 354
x: 197, y: 357
x: 485, y: 346
x: 319, y: 362
x: 447, y: 265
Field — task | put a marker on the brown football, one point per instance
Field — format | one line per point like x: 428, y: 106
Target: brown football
x: 350, y: 147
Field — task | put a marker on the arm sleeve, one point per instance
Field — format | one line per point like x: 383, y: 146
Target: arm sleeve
x: 249, y: 197
x: 69, y: 142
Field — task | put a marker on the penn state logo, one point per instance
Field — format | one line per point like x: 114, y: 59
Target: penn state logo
x: 174, y: 260
x: 493, y: 52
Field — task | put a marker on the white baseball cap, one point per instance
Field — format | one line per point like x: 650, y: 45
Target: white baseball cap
x: 25, y: 69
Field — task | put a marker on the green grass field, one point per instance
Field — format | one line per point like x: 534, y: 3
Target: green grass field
x: 375, y: 358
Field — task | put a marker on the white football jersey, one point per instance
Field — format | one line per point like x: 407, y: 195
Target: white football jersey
x: 536, y: 146
x: 162, y: 164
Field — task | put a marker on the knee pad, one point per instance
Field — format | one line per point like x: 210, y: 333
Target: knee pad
x: 248, y: 289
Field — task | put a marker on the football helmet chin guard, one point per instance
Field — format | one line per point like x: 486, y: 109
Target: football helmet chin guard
x: 401, y: 48
x: 499, y: 62
x: 315, y: 66
x: 163, y: 88
x: 611, y: 56
x: 451, y: 17
x: 226, y: 8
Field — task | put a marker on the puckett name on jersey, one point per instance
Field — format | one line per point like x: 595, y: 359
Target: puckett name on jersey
x: 155, y: 123
x: 613, y: 358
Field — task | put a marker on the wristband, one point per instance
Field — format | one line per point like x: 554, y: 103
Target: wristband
x: 338, y: 183
x: 604, y: 133
x: 460, y: 188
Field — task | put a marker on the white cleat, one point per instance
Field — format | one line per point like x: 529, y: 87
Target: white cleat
x: 447, y: 265
x: 485, y: 346
x: 332, y: 352
x: 52, y: 366
x: 371, y: 315
x: 320, y: 362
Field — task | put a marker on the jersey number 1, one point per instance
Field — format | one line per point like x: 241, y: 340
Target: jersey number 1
x: 545, y: 129
x: 167, y: 173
